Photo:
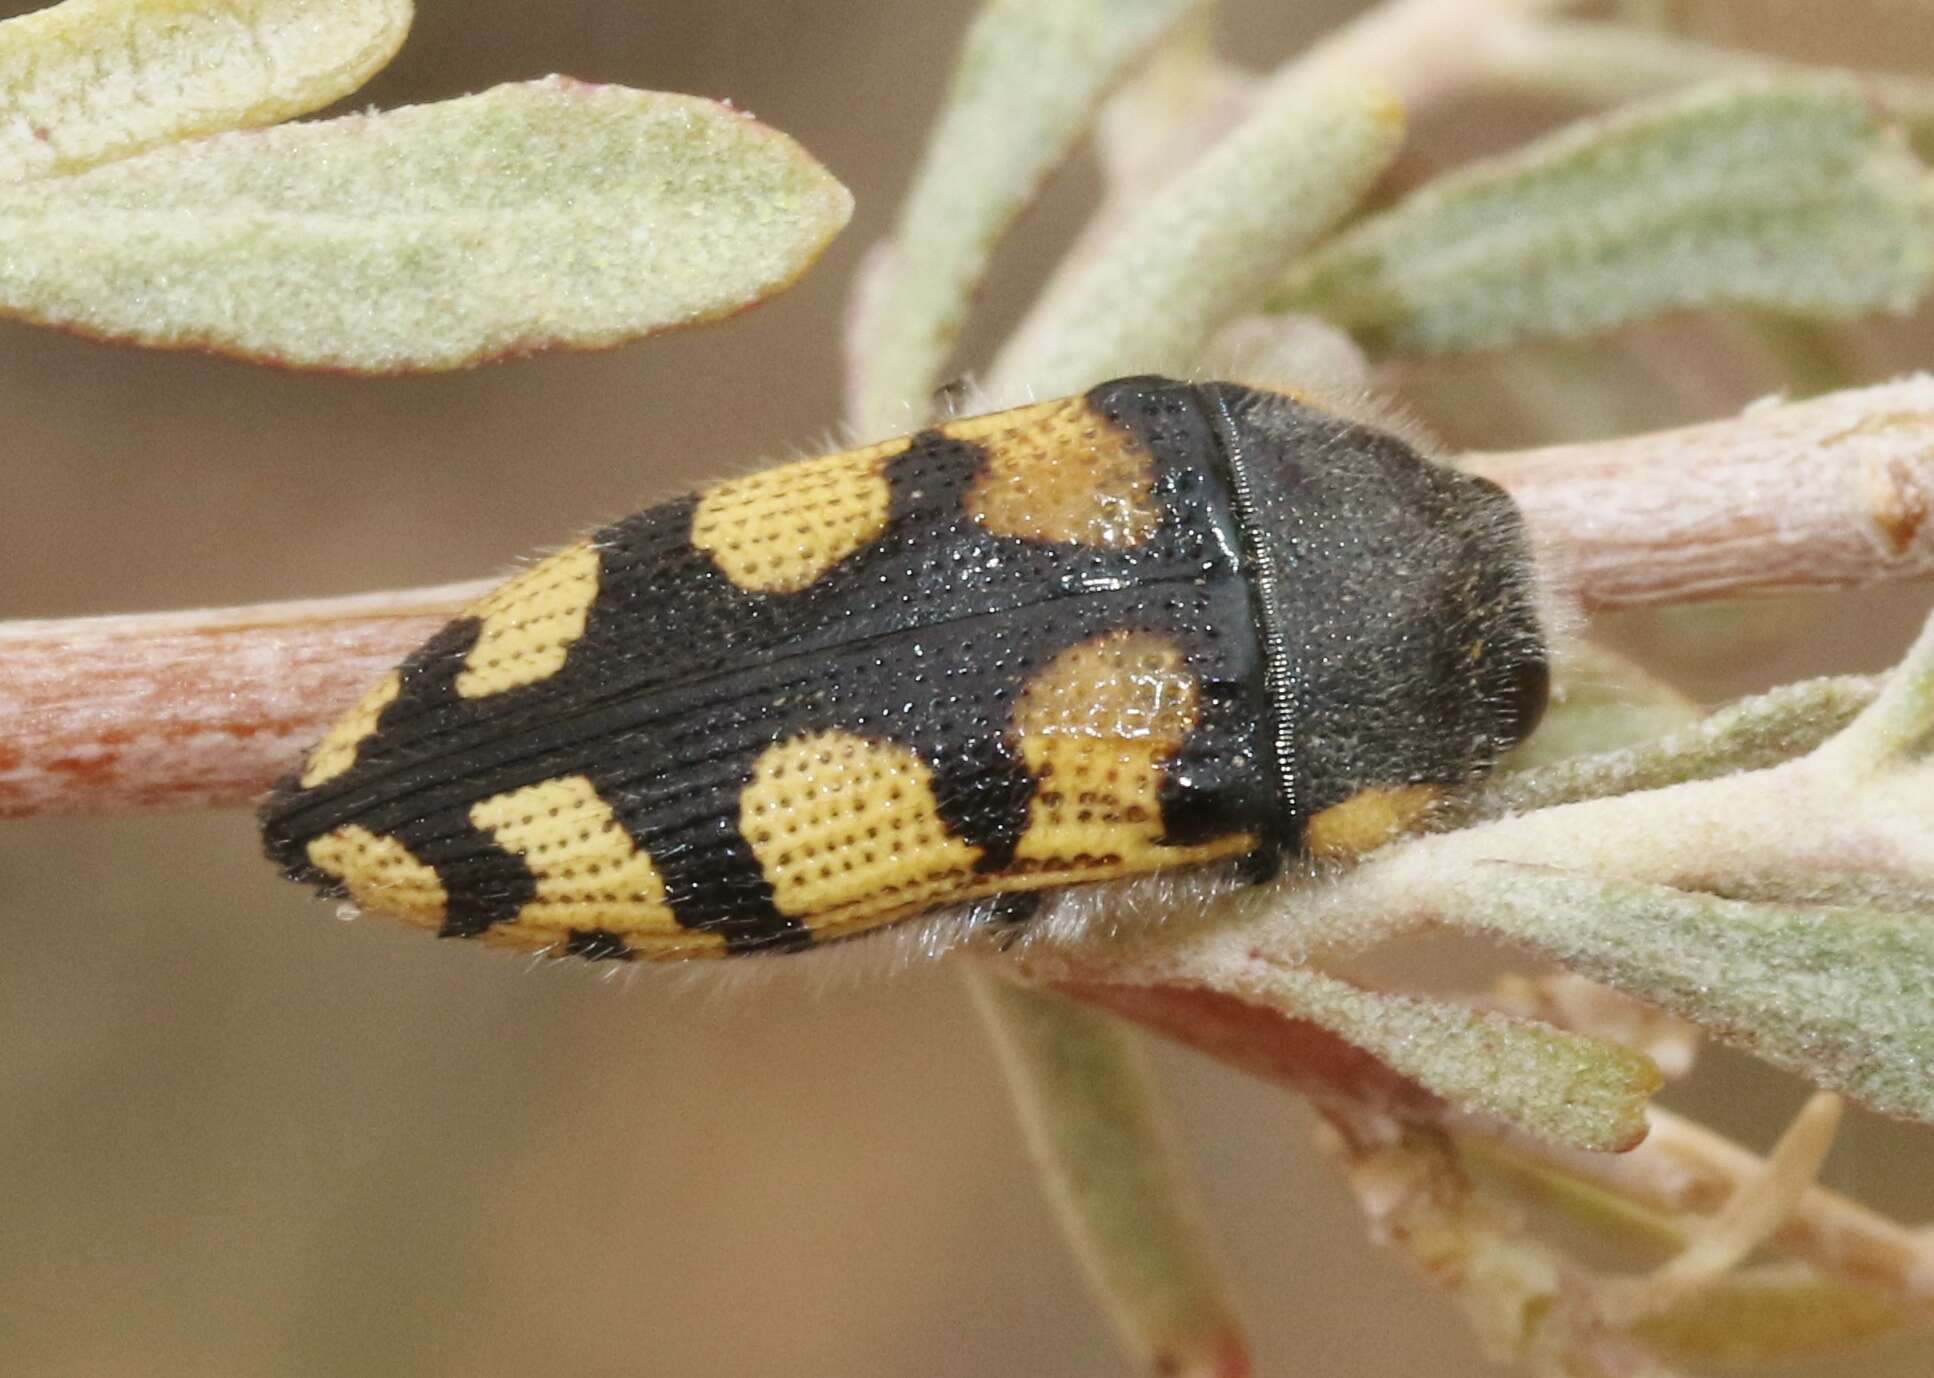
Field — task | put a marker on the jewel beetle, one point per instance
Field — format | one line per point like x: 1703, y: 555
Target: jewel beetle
x: 1159, y: 625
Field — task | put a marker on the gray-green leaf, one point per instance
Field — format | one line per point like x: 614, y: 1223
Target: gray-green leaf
x: 1026, y: 86
x: 1207, y: 242
x: 546, y: 214
x: 92, y: 80
x: 1092, y: 1126
x: 1842, y: 996
x: 1787, y: 193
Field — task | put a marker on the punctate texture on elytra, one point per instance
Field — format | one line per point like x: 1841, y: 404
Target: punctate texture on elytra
x: 1158, y: 625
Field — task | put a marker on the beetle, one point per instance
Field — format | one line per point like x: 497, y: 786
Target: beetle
x: 1157, y: 625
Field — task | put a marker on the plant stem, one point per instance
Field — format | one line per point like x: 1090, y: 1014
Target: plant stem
x: 1844, y: 486
x: 1686, y: 1169
x: 204, y: 709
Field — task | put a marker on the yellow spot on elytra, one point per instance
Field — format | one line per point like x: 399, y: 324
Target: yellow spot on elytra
x: 848, y: 834
x: 380, y: 874
x: 530, y: 622
x: 1096, y: 729
x: 336, y: 752
x: 1061, y: 472
x: 778, y: 530
x: 589, y: 872
x: 1366, y: 820
x: 1119, y: 685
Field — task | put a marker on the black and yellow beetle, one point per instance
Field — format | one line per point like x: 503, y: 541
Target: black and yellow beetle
x: 1158, y: 625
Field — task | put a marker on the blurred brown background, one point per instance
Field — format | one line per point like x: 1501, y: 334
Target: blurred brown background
x: 240, y: 1138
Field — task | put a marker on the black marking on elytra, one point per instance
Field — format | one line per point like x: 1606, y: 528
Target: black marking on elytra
x: 1008, y: 913
x: 1006, y: 917
x: 1211, y: 787
x: 598, y: 945
x: 923, y: 639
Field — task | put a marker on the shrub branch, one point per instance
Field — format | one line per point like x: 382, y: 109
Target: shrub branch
x: 203, y: 709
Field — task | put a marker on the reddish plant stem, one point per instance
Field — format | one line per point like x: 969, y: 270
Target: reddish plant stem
x: 1832, y: 493
x: 1296, y: 1053
x: 205, y: 709
x: 192, y: 709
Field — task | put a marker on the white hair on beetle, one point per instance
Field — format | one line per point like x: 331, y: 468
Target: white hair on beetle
x: 1069, y: 915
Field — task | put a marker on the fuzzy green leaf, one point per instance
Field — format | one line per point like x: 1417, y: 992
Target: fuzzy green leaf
x: 1786, y: 193
x: 92, y: 80
x: 1560, y: 1086
x: 1028, y: 83
x: 1608, y: 64
x: 1210, y: 239
x: 550, y: 213
x: 1844, y: 997
x: 1092, y: 1127
x: 1749, y: 735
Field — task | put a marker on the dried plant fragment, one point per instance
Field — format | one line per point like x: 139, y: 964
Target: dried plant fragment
x: 1787, y: 193
x: 1523, y: 1300
x: 1845, y: 1272
x: 1026, y: 86
x: 1684, y: 1174
x: 1775, y: 1312
x: 1456, y: 1209
x: 1755, y: 1211
x: 89, y: 81
x: 545, y: 214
